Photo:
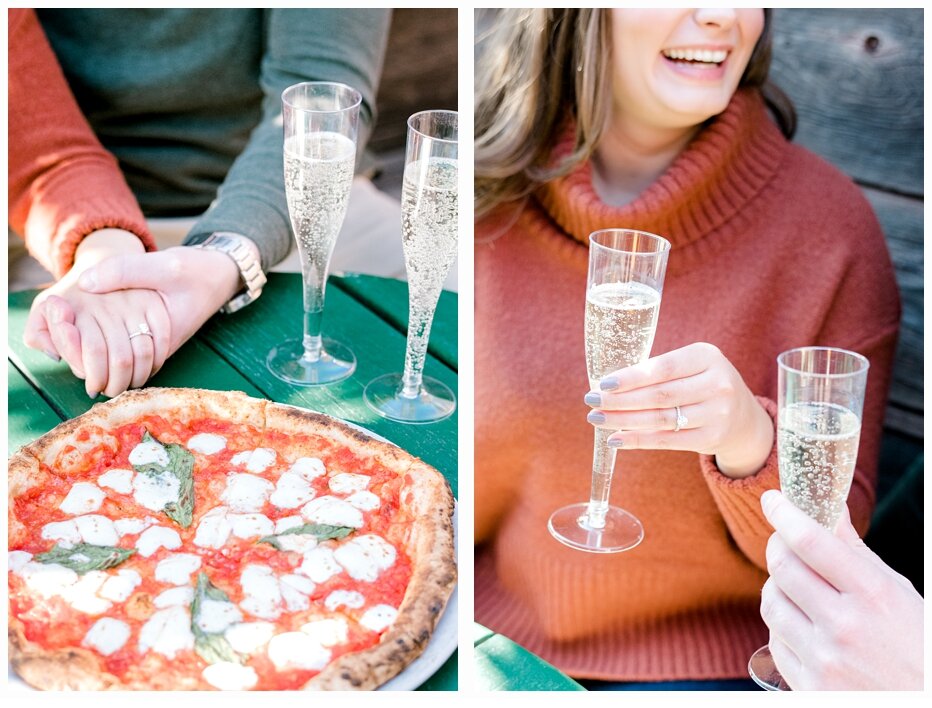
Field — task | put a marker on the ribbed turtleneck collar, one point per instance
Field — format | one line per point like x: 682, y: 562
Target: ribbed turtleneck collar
x: 710, y: 182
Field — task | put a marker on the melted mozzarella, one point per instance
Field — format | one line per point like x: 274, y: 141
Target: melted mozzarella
x: 297, y: 542
x: 66, y: 531
x: 177, y: 568
x: 47, y: 579
x: 263, y: 597
x: 155, y: 491
x: 328, y: 632
x: 364, y: 501
x: 365, y: 557
x: 83, y: 498
x: 378, y: 617
x: 17, y: 559
x: 156, y: 537
x: 230, y: 676
x: 319, y: 565
x: 308, y: 467
x: 250, y: 525
x: 295, y: 589
x: 130, y: 527
x: 207, y: 443
x: 168, y: 632
x: 176, y: 596
x: 247, y: 637
x: 97, y: 530
x: 107, y: 635
x: 332, y: 511
x: 214, y: 529
x: 214, y: 616
x: 346, y: 483
x: 119, y: 587
x: 246, y: 492
x: 258, y: 460
x: 288, y: 522
x: 83, y: 597
x: 297, y: 650
x: 119, y: 480
x: 291, y: 491
x: 149, y: 452
x: 344, y: 598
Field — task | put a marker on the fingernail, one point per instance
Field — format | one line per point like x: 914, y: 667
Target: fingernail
x: 93, y: 394
x: 593, y: 399
x: 88, y: 280
x: 609, y: 383
x: 596, y: 417
x: 615, y: 442
x: 51, y: 355
x: 769, y: 499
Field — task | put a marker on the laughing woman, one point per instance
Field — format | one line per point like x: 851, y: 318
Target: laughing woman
x: 664, y: 121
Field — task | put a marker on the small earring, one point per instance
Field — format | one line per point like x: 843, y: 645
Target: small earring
x: 579, y: 68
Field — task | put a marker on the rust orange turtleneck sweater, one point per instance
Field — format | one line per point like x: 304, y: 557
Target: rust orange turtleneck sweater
x: 772, y: 249
x: 62, y: 183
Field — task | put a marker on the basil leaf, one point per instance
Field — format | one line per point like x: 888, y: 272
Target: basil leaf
x: 322, y: 532
x: 212, y: 648
x: 180, y: 464
x: 84, y: 557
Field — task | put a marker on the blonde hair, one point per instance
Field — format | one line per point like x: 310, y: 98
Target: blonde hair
x: 538, y: 68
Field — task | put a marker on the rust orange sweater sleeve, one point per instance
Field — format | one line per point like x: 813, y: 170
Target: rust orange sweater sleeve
x: 63, y: 185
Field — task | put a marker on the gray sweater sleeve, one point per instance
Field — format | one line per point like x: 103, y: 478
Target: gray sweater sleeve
x: 347, y: 46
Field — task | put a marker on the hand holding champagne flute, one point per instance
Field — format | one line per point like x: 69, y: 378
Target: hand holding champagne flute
x: 820, y: 403
x: 626, y: 271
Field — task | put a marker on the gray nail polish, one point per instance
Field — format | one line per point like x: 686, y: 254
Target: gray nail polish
x: 93, y: 395
x: 614, y: 442
x: 609, y: 383
x: 596, y: 417
x: 51, y: 355
x: 593, y: 399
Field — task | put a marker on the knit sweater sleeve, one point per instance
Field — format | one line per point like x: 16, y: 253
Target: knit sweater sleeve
x: 63, y: 185
x: 346, y: 46
x: 863, y: 317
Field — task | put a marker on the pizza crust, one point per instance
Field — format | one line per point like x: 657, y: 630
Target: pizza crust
x: 426, y: 495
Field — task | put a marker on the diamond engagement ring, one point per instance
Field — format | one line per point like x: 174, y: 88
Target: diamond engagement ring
x: 681, y: 419
x: 143, y: 330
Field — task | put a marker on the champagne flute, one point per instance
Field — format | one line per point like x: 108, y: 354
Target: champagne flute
x: 626, y: 270
x: 429, y: 227
x: 820, y: 402
x: 320, y: 121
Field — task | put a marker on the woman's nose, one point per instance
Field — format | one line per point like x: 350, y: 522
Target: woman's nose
x: 720, y: 17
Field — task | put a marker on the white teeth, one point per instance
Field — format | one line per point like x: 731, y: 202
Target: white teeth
x: 707, y: 56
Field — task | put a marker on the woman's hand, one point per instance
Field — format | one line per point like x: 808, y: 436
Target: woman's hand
x: 722, y: 417
x: 193, y: 283
x: 839, y: 617
x: 92, y: 332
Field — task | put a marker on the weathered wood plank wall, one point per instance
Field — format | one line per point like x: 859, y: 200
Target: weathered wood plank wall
x: 856, y: 78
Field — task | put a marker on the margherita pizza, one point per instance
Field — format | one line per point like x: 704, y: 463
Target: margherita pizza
x: 188, y: 539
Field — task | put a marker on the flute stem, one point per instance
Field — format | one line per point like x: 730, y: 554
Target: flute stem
x: 603, y: 466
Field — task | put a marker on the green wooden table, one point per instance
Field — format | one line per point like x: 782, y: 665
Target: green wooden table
x: 503, y: 665
x: 370, y: 314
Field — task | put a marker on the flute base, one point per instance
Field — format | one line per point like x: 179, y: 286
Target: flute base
x: 765, y: 673
x: 435, y: 401
x: 288, y: 362
x: 569, y: 525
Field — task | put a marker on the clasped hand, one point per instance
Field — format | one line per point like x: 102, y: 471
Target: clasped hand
x: 87, y: 318
x: 718, y: 413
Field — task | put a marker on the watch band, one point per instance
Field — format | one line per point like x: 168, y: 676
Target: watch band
x: 245, y: 254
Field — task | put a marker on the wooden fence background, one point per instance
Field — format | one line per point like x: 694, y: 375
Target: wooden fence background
x: 856, y: 78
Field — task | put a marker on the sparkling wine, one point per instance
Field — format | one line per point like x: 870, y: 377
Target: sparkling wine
x: 429, y: 227
x: 620, y: 322
x: 817, y: 450
x: 318, y: 177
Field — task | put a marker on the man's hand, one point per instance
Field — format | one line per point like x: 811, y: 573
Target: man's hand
x: 839, y: 617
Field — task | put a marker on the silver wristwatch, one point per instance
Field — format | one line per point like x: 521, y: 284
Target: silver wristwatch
x: 245, y: 254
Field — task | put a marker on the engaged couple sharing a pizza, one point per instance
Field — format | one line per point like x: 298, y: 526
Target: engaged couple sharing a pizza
x: 193, y: 539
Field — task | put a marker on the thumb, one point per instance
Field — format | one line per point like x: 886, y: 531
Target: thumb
x: 124, y: 273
